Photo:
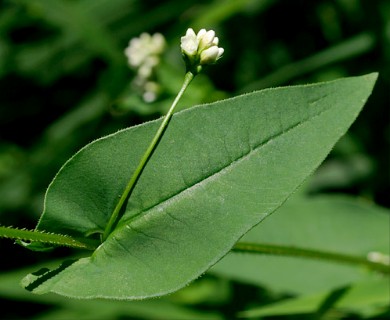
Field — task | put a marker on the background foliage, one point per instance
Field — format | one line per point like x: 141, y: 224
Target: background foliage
x: 64, y: 81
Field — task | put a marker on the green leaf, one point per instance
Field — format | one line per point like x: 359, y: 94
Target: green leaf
x: 219, y: 170
x: 368, y: 298
x: 337, y: 224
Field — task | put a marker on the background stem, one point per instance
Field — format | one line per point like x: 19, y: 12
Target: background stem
x: 254, y: 248
x: 279, y: 250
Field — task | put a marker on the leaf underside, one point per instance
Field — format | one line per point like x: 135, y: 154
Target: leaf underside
x: 219, y: 170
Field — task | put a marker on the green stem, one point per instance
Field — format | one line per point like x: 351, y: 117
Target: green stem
x: 308, y: 253
x: 44, y: 237
x: 257, y: 248
x: 118, y: 212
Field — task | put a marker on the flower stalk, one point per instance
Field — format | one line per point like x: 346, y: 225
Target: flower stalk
x: 118, y: 211
x: 197, y: 50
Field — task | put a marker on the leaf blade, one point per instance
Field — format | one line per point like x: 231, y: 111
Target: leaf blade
x: 186, y: 210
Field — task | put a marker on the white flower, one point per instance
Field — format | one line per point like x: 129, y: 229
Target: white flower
x: 143, y: 54
x: 205, y: 38
x: 189, y: 43
x: 152, y: 89
x: 141, y: 49
x: 200, y: 49
x: 210, y: 55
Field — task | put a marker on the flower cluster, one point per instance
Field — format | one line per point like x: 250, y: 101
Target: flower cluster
x: 200, y: 49
x: 143, y: 56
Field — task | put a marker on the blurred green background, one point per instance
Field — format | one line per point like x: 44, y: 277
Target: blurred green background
x: 65, y: 81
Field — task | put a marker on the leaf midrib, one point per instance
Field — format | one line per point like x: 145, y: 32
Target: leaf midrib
x: 209, y: 178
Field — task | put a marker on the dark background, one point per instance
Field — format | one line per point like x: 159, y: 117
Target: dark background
x: 64, y: 81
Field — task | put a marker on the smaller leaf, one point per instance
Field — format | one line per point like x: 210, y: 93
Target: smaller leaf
x: 338, y: 224
x: 64, y: 308
x: 360, y: 298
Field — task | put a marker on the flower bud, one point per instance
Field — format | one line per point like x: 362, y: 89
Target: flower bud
x: 189, y: 43
x: 200, y: 49
x: 206, y: 40
x: 210, y: 55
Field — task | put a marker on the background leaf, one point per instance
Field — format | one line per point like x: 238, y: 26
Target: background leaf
x: 218, y: 171
x: 330, y: 223
x: 337, y: 224
x: 367, y: 298
x: 170, y: 307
